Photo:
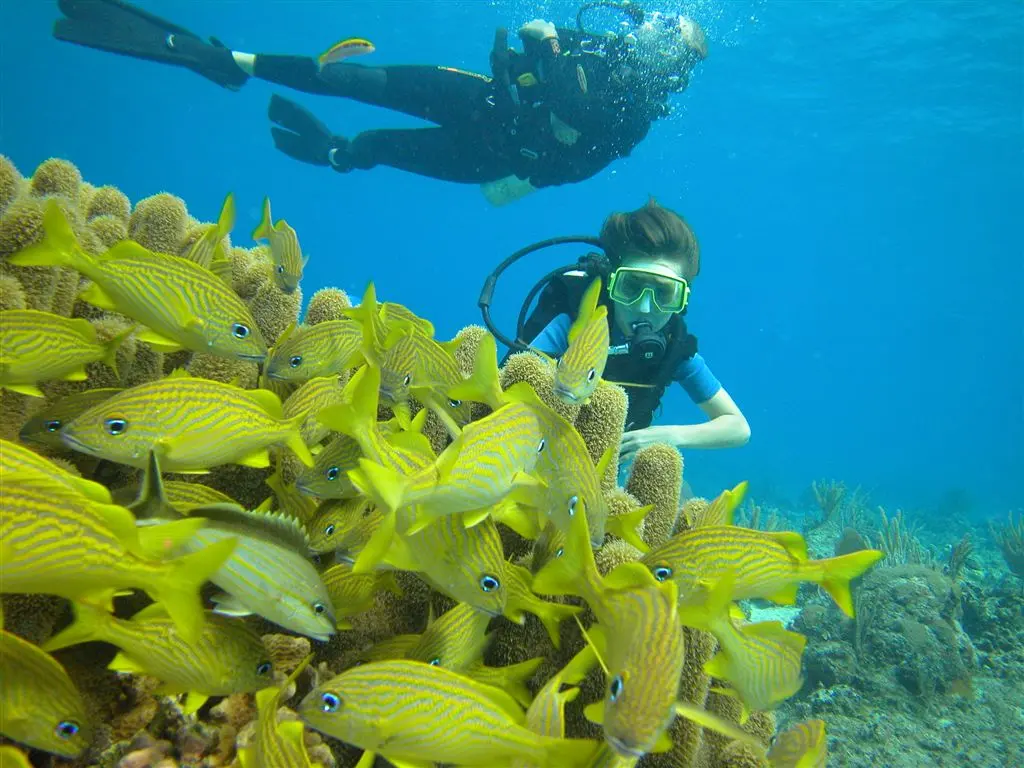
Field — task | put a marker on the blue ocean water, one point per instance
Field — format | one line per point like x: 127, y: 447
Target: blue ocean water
x: 853, y: 170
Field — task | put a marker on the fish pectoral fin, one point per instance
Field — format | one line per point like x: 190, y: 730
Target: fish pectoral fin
x: 122, y: 663
x: 193, y: 701
x: 664, y: 742
x: 229, y: 605
x: 79, y: 374
x: 474, y: 517
x: 158, y: 342
x: 260, y: 459
x: 595, y: 712
x: 96, y: 296
x: 31, y: 390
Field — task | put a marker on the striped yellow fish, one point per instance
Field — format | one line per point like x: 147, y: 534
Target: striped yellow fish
x: 41, y: 346
x: 269, y: 572
x: 395, y: 708
x: 467, y: 564
x: 328, y: 477
x: 284, y: 249
x: 579, y: 370
x: 354, y: 593
x: 311, y: 398
x: 39, y: 705
x: 343, y: 526
x: 492, y: 458
x: 306, y: 352
x: 228, y: 657
x: 276, y: 743
x: 208, y: 251
x: 803, y: 746
x: 182, y: 304
x: 522, y: 600
x: 19, y: 463
x: 193, y: 423
x: 59, y: 543
x: 768, y: 565
x: 43, y: 428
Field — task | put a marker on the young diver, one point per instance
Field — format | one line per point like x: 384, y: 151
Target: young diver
x: 651, y: 258
x: 557, y: 113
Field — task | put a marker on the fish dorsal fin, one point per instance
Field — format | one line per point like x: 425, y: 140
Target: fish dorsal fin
x: 721, y: 510
x: 632, y: 575
x: 179, y: 373
x: 151, y: 500
x: 588, y: 309
x: 276, y: 527
x: 604, y: 462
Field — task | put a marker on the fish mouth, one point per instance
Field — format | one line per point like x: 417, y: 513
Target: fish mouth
x: 74, y: 443
x: 253, y: 358
x: 624, y: 749
x: 566, y: 395
x: 275, y: 375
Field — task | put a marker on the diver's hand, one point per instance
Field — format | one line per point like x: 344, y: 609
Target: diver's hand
x: 636, y: 439
x: 538, y: 30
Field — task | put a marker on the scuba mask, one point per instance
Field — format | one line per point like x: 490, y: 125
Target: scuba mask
x: 668, y: 292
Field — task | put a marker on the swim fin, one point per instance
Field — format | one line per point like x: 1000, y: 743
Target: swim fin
x: 118, y: 27
x: 303, y: 136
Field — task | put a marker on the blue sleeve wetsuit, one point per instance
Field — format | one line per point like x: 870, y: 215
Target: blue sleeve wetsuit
x: 693, y: 374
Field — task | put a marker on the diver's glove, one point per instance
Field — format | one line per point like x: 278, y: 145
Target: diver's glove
x: 304, y: 137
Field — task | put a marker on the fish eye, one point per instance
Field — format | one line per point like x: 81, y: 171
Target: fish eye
x: 407, y: 380
x: 239, y: 331
x: 560, y: 551
x: 591, y: 374
x: 295, y: 361
x: 662, y: 573
x: 115, y: 426
x: 263, y: 669
x: 67, y: 729
x: 329, y: 530
x: 330, y: 702
x: 53, y: 425
x: 332, y: 473
x: 573, y: 501
x: 367, y: 510
x: 454, y: 403
x: 280, y: 269
x: 319, y: 609
x: 435, y: 662
x: 615, y: 689
x: 488, y: 583
x: 542, y: 445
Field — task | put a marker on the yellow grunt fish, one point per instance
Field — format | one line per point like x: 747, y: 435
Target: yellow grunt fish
x: 343, y: 526
x: 395, y: 707
x: 192, y: 423
x: 228, y: 656
x: 803, y: 746
x: 284, y: 249
x: 769, y: 565
x: 579, y: 369
x: 61, y: 544
x: 328, y: 477
x: 354, y: 593
x: 39, y: 705
x: 277, y: 743
x: 305, y: 352
x: 19, y: 463
x: 311, y: 398
x: 182, y: 304
x: 44, y: 427
x: 41, y: 346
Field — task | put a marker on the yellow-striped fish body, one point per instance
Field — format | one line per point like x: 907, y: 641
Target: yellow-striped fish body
x: 394, y: 708
x: 41, y: 346
x: 39, y: 705
x: 522, y: 599
x: 277, y: 743
x: 768, y: 565
x: 182, y: 304
x: 20, y: 463
x: 802, y: 746
x: 310, y: 351
x: 393, y: 312
x: 343, y: 526
x: 455, y: 640
x: 328, y: 477
x: 289, y: 500
x: 284, y: 249
x: 228, y: 656
x: 354, y: 593
x: 311, y: 398
x: 208, y: 251
x: 59, y: 544
x: 579, y: 370
x: 492, y: 458
x: 43, y: 428
x: 192, y: 423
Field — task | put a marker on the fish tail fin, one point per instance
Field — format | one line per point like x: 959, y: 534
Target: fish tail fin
x: 377, y: 548
x: 381, y: 484
x: 226, y: 220
x: 552, y: 615
x: 266, y: 225
x: 575, y: 571
x: 293, y: 438
x: 838, y: 572
x: 484, y: 384
x: 178, y: 588
x: 625, y: 526
x: 59, y: 246
x: 514, y: 677
x: 569, y: 753
x: 89, y: 624
x: 357, y: 417
x: 112, y: 347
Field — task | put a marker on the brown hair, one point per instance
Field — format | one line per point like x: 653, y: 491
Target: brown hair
x: 655, y: 231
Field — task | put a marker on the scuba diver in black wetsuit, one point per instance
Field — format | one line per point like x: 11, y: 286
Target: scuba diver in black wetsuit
x: 557, y: 113
x: 649, y: 262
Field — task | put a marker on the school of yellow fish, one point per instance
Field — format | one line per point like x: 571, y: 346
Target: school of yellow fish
x: 364, y: 499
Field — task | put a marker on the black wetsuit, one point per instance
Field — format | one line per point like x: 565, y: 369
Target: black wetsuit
x: 482, y: 135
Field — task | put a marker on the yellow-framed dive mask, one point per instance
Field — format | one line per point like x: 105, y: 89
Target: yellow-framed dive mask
x: 668, y: 291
